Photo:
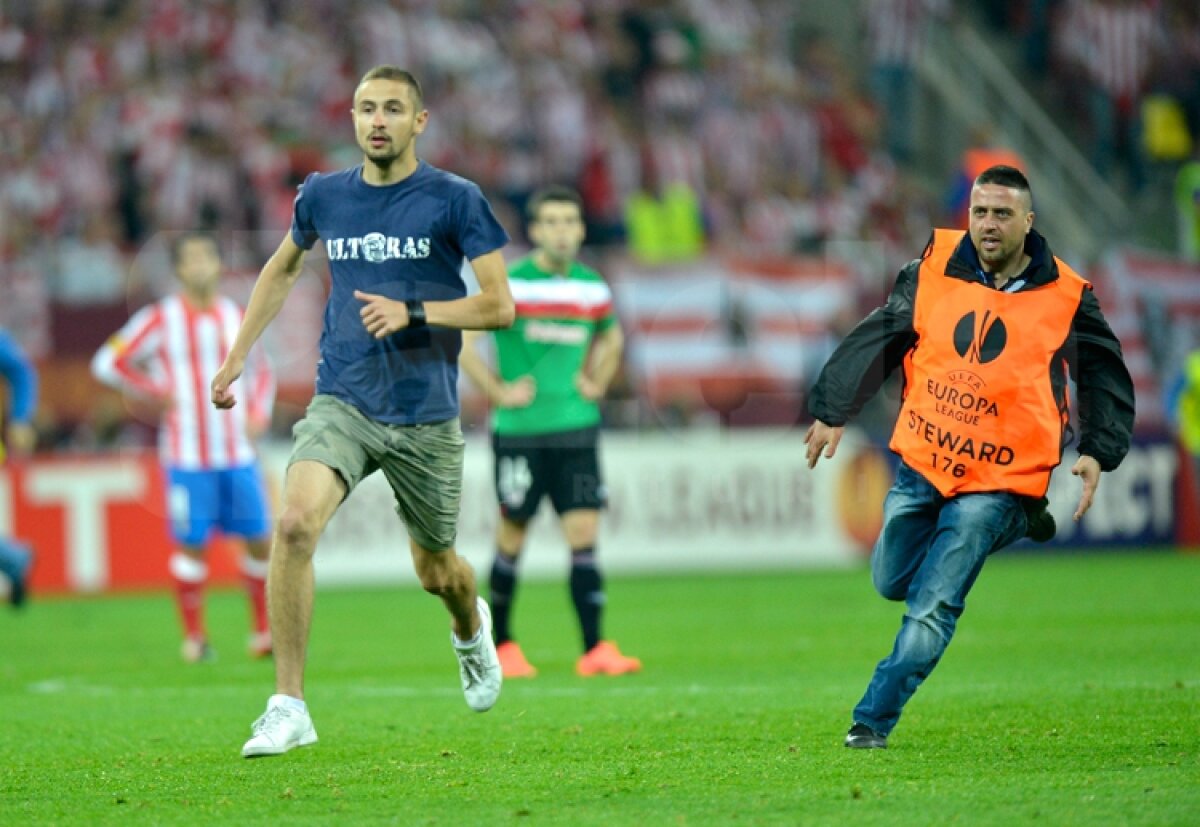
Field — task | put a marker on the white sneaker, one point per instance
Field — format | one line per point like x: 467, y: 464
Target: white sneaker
x: 478, y: 665
x: 279, y: 729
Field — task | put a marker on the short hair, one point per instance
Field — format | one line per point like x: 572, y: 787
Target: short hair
x: 1005, y: 176
x: 191, y: 235
x: 389, y: 72
x: 552, y: 195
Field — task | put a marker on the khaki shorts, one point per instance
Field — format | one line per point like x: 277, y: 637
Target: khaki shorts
x: 422, y: 463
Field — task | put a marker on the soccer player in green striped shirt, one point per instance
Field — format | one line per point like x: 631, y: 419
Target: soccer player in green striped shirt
x: 552, y: 366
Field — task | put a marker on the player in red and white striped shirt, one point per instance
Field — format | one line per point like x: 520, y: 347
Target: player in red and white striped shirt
x: 164, y: 354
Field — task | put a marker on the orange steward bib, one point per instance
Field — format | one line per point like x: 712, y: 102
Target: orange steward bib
x: 980, y: 412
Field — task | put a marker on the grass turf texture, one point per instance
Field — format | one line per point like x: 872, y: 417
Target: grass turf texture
x: 1069, y: 696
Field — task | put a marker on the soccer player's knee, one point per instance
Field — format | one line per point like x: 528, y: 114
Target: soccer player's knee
x: 298, y: 528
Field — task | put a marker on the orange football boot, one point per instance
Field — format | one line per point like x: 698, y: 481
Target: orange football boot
x: 606, y: 659
x: 512, y: 661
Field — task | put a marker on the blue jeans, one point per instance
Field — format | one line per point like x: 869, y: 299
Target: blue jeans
x: 929, y: 553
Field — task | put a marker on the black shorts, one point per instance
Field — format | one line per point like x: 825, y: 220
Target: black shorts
x: 564, y: 465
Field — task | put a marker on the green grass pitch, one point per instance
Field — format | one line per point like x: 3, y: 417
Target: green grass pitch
x: 1071, y: 695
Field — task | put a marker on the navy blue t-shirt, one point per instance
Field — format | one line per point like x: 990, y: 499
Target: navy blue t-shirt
x: 405, y: 241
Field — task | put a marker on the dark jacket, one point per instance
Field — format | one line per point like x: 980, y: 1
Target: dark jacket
x: 879, y: 343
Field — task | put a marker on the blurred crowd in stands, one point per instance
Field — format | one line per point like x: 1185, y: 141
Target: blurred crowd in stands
x: 148, y: 115
x: 1128, y: 71
x: 687, y: 125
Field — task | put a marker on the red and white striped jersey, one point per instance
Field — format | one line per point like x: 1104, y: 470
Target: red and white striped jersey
x: 896, y: 29
x: 170, y: 350
x: 1115, y: 44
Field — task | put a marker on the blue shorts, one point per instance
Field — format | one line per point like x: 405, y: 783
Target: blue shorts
x: 231, y: 499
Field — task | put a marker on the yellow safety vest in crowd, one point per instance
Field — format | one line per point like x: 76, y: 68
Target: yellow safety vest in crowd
x: 1189, y: 404
x: 979, y: 412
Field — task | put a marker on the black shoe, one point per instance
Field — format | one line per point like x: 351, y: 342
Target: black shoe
x: 862, y: 736
x: 1039, y: 521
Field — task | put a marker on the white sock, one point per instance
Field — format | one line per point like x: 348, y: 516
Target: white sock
x: 289, y: 702
x: 187, y: 569
x: 472, y: 643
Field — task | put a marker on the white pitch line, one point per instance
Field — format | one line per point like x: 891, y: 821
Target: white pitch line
x: 567, y: 691
x: 69, y: 686
x: 526, y: 689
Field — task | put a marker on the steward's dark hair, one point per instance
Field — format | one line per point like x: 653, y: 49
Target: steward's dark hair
x: 1006, y: 176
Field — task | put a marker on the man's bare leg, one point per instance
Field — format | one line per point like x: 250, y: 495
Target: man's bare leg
x: 312, y: 493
